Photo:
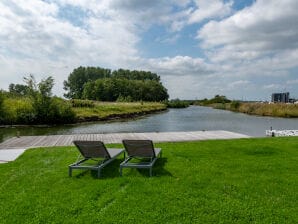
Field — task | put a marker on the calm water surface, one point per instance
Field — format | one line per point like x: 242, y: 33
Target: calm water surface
x: 194, y: 118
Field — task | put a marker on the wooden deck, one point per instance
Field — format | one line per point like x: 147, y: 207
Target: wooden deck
x: 24, y: 142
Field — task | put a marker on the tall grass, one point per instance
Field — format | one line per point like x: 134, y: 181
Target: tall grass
x: 274, y: 110
x: 176, y: 103
x: 106, y: 110
x: 18, y: 111
x: 21, y: 110
x: 82, y: 103
x: 261, y: 109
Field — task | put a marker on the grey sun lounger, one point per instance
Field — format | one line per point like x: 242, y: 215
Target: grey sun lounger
x: 141, y: 150
x: 96, y: 152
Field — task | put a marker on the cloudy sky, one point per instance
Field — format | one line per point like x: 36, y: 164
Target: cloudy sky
x: 244, y: 49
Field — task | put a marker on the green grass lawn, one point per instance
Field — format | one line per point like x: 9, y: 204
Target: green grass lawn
x: 226, y: 181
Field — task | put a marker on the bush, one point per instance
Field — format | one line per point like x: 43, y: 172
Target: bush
x: 82, y: 103
x: 124, y: 99
x: 176, y: 103
x: 21, y: 111
x: 60, y: 112
x: 235, y: 105
x: 18, y: 111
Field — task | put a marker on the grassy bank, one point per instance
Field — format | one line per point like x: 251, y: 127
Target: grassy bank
x: 261, y: 109
x: 226, y: 181
x: 21, y: 111
x: 106, y: 111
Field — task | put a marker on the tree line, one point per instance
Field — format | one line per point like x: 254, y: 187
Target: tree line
x: 95, y: 83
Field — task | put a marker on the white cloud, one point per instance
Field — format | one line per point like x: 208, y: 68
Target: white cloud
x: 259, y: 41
x: 35, y: 40
x: 178, y: 65
x: 239, y: 84
x: 273, y: 86
x: 292, y: 82
x: 266, y: 25
x: 209, y: 9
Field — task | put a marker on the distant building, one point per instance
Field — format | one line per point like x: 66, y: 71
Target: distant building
x: 280, y: 97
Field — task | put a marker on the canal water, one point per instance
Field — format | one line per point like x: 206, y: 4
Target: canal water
x: 194, y: 118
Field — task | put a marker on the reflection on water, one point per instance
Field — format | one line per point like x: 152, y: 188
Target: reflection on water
x: 194, y: 118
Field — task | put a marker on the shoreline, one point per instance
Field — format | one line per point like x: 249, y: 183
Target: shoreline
x: 260, y: 109
x: 86, y: 119
x: 115, y: 117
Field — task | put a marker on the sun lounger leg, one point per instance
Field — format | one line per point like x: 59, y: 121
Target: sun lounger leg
x: 70, y: 171
x: 120, y: 171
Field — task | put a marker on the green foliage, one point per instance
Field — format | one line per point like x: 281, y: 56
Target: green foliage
x: 109, y: 110
x: 39, y: 107
x: 100, y: 84
x: 235, y: 105
x: 110, y: 89
x: 176, y: 103
x: 18, y: 89
x: 265, y: 109
x: 124, y: 99
x: 218, y: 181
x: 41, y: 97
x: 18, y: 111
x: 217, y: 99
x: 82, y: 103
x: 60, y: 112
x: 135, y: 75
x: 81, y: 75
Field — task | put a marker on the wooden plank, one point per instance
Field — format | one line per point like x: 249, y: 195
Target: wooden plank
x: 67, y: 140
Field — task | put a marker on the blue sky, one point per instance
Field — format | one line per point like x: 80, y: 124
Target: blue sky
x: 244, y: 49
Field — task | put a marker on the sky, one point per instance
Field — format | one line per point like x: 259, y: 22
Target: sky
x: 243, y: 49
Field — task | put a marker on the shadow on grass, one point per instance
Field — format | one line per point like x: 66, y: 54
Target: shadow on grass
x: 263, y: 151
x: 112, y: 170
x: 157, y: 171
x: 109, y: 171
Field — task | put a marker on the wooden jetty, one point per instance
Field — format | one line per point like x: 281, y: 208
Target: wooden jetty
x: 25, y: 142
x: 279, y: 133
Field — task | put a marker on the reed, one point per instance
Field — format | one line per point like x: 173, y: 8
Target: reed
x: 261, y: 109
x: 274, y: 110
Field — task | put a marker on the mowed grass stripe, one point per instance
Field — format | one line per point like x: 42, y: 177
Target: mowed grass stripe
x: 215, y: 181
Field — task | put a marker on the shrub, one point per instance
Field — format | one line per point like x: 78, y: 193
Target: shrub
x: 60, y: 112
x: 82, y: 103
x: 235, y: 105
x: 176, y: 103
x: 18, y: 111
x: 124, y: 99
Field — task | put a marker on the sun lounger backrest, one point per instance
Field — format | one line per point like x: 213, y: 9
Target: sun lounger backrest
x: 92, y: 149
x: 139, y: 148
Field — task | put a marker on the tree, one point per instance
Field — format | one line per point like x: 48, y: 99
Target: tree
x: 80, y: 76
x: 112, y: 89
x: 135, y: 75
x: 41, y: 95
x: 46, y: 108
x: 18, y: 89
